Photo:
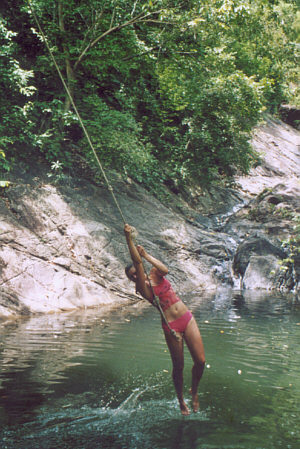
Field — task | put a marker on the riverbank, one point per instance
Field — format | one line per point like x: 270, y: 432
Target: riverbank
x: 62, y: 245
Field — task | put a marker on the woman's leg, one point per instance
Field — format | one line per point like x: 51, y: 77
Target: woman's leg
x: 176, y: 350
x: 194, y: 342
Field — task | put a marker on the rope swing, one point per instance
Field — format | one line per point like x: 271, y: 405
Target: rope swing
x: 109, y: 186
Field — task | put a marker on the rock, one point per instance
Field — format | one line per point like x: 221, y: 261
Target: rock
x: 290, y: 115
x: 258, y: 246
x: 62, y: 246
x: 215, y: 245
x: 278, y: 146
x: 11, y: 305
x: 274, y: 192
x: 262, y: 272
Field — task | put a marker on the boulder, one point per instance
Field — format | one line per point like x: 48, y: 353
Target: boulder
x: 262, y: 272
x: 254, y: 246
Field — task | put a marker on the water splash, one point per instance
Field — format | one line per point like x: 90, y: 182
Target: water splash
x: 94, y: 387
x: 131, y: 401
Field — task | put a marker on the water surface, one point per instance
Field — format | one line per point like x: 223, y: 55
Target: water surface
x: 102, y: 379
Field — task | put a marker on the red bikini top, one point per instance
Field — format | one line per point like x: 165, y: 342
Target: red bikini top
x: 167, y: 296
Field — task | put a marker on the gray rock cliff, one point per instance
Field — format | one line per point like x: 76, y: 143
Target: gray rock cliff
x: 62, y: 245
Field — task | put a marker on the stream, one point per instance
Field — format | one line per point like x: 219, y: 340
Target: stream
x: 100, y: 378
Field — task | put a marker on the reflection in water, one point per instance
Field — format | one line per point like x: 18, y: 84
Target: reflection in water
x: 96, y: 379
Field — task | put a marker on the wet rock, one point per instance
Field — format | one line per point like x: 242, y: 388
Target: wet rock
x: 206, y: 222
x: 62, y: 246
x: 290, y: 115
x: 262, y: 272
x: 214, y: 246
x: 11, y: 305
x: 222, y: 274
x: 254, y: 246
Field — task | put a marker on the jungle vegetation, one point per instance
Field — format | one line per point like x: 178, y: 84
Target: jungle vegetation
x: 169, y: 90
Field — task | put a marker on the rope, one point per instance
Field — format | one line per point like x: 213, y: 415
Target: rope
x: 158, y: 306
x: 76, y: 111
x: 109, y: 186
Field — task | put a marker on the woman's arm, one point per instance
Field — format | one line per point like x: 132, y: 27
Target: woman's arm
x: 141, y: 285
x: 162, y: 269
x: 135, y: 256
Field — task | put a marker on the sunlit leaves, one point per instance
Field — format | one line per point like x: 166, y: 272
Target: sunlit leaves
x: 164, y: 86
x: 15, y: 125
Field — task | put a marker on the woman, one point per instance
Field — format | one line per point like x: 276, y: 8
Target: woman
x: 178, y: 316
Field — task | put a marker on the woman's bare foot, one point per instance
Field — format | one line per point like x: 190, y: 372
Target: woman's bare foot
x: 195, y: 401
x: 184, y: 408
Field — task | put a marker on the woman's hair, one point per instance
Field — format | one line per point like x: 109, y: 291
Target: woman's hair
x: 128, y: 268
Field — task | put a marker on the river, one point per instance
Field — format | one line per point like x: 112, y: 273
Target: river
x: 102, y: 378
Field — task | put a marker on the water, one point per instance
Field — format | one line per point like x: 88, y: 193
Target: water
x: 101, y: 379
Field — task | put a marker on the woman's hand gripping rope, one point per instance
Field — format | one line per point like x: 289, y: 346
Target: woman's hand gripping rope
x: 131, y: 234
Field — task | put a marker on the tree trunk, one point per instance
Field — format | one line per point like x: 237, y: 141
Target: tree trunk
x: 69, y: 69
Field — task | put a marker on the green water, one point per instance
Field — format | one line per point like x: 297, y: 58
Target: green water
x: 95, y: 379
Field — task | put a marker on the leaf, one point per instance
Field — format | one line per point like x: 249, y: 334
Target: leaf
x: 4, y: 184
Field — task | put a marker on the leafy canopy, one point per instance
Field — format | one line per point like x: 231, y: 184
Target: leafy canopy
x: 168, y: 89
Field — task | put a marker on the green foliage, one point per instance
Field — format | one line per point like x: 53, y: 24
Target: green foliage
x: 292, y: 246
x: 15, y: 126
x: 4, y: 184
x: 52, y: 135
x: 4, y: 164
x: 225, y: 111
x: 57, y: 174
x: 118, y: 140
x: 167, y: 89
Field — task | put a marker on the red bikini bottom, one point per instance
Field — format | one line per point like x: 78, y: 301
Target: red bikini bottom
x: 180, y: 324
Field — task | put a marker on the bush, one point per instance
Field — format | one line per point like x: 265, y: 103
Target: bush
x: 219, y: 129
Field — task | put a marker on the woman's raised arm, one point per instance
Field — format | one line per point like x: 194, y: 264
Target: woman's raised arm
x: 141, y: 285
x: 162, y: 269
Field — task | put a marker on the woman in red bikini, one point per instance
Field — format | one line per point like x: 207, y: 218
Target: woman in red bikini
x: 179, y: 318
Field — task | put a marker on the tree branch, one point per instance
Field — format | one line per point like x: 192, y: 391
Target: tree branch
x: 112, y: 17
x: 139, y: 18
x: 69, y: 69
x: 128, y: 58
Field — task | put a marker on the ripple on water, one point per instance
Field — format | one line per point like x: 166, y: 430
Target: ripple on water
x: 93, y: 381
x: 134, y: 423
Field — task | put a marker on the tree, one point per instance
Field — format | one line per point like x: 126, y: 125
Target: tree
x: 15, y: 103
x: 167, y: 88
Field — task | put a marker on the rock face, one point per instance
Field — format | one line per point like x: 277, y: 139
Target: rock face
x: 271, y: 214
x: 62, y: 245
x: 258, y: 262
